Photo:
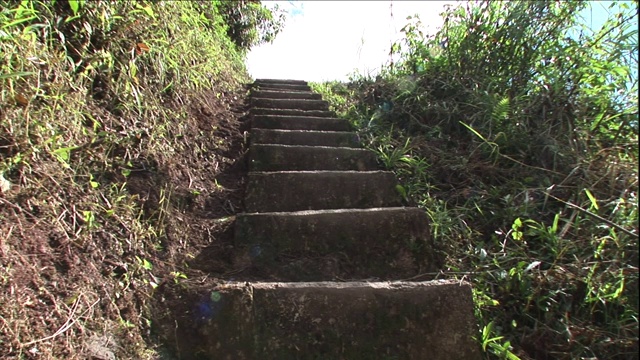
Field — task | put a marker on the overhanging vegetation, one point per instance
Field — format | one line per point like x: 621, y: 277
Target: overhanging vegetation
x: 116, y: 117
x: 516, y: 129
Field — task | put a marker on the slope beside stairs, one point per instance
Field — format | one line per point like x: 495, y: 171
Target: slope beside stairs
x: 322, y: 217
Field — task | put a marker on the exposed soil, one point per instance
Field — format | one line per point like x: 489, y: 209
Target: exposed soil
x: 80, y: 300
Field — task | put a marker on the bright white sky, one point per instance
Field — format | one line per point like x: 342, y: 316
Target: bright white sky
x: 328, y: 40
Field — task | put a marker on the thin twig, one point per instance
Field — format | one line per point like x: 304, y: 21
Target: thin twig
x: 595, y: 216
x: 17, y: 207
x: 67, y: 325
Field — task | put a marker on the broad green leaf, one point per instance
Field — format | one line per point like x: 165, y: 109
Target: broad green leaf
x: 148, y: 10
x: 517, y: 224
x: 146, y: 264
x: 63, y: 154
x: 75, y: 6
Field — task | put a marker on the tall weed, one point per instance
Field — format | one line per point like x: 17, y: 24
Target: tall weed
x: 96, y: 104
x: 527, y: 125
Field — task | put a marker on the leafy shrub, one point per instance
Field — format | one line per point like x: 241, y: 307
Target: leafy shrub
x: 522, y: 127
x: 249, y: 23
x: 102, y: 114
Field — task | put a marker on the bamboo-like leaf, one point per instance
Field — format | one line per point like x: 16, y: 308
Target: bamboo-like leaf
x: 473, y: 131
x: 594, y: 201
x: 18, y: 21
x: 16, y: 74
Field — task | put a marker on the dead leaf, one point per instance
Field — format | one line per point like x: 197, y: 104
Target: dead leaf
x: 21, y: 100
x: 5, y: 185
x: 142, y: 47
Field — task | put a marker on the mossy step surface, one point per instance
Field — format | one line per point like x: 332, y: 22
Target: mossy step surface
x: 281, y: 81
x: 299, y: 104
x: 374, y: 242
x: 268, y: 157
x: 280, y: 94
x: 292, y: 122
x: 296, y: 112
x: 281, y: 86
x: 316, y: 190
x: 305, y: 137
x: 330, y: 320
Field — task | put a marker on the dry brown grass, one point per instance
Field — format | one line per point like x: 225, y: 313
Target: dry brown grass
x: 109, y: 156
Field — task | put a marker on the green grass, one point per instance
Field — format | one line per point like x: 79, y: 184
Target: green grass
x: 527, y: 168
x: 99, y: 103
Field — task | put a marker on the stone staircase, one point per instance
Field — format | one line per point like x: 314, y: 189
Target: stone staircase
x: 324, y: 221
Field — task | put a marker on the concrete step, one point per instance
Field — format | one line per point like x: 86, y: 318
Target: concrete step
x: 268, y: 157
x: 305, y: 137
x: 295, y: 112
x: 299, y: 104
x: 290, y: 122
x: 323, y: 320
x: 286, y: 87
x: 385, y: 243
x: 307, y: 190
x: 280, y: 81
x: 275, y: 94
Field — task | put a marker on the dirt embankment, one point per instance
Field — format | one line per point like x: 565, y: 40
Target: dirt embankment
x: 96, y: 298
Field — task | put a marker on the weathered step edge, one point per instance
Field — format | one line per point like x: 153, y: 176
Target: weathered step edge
x: 275, y: 86
x: 281, y: 81
x: 305, y: 137
x: 290, y: 122
x: 299, y: 104
x: 267, y: 157
x: 317, y: 190
x: 294, y: 112
x: 334, y: 229
x: 355, y: 320
x: 280, y: 94
x: 373, y: 242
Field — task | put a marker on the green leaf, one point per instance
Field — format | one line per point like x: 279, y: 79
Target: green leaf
x: 16, y: 74
x: 516, y: 234
x: 148, y: 10
x: 63, y: 154
x: 74, y: 5
x: 594, y: 202
x: 473, y: 131
x: 145, y: 263
x: 517, y: 224
x: 402, y: 191
x: 19, y: 21
x: 88, y: 217
x: 554, y: 227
